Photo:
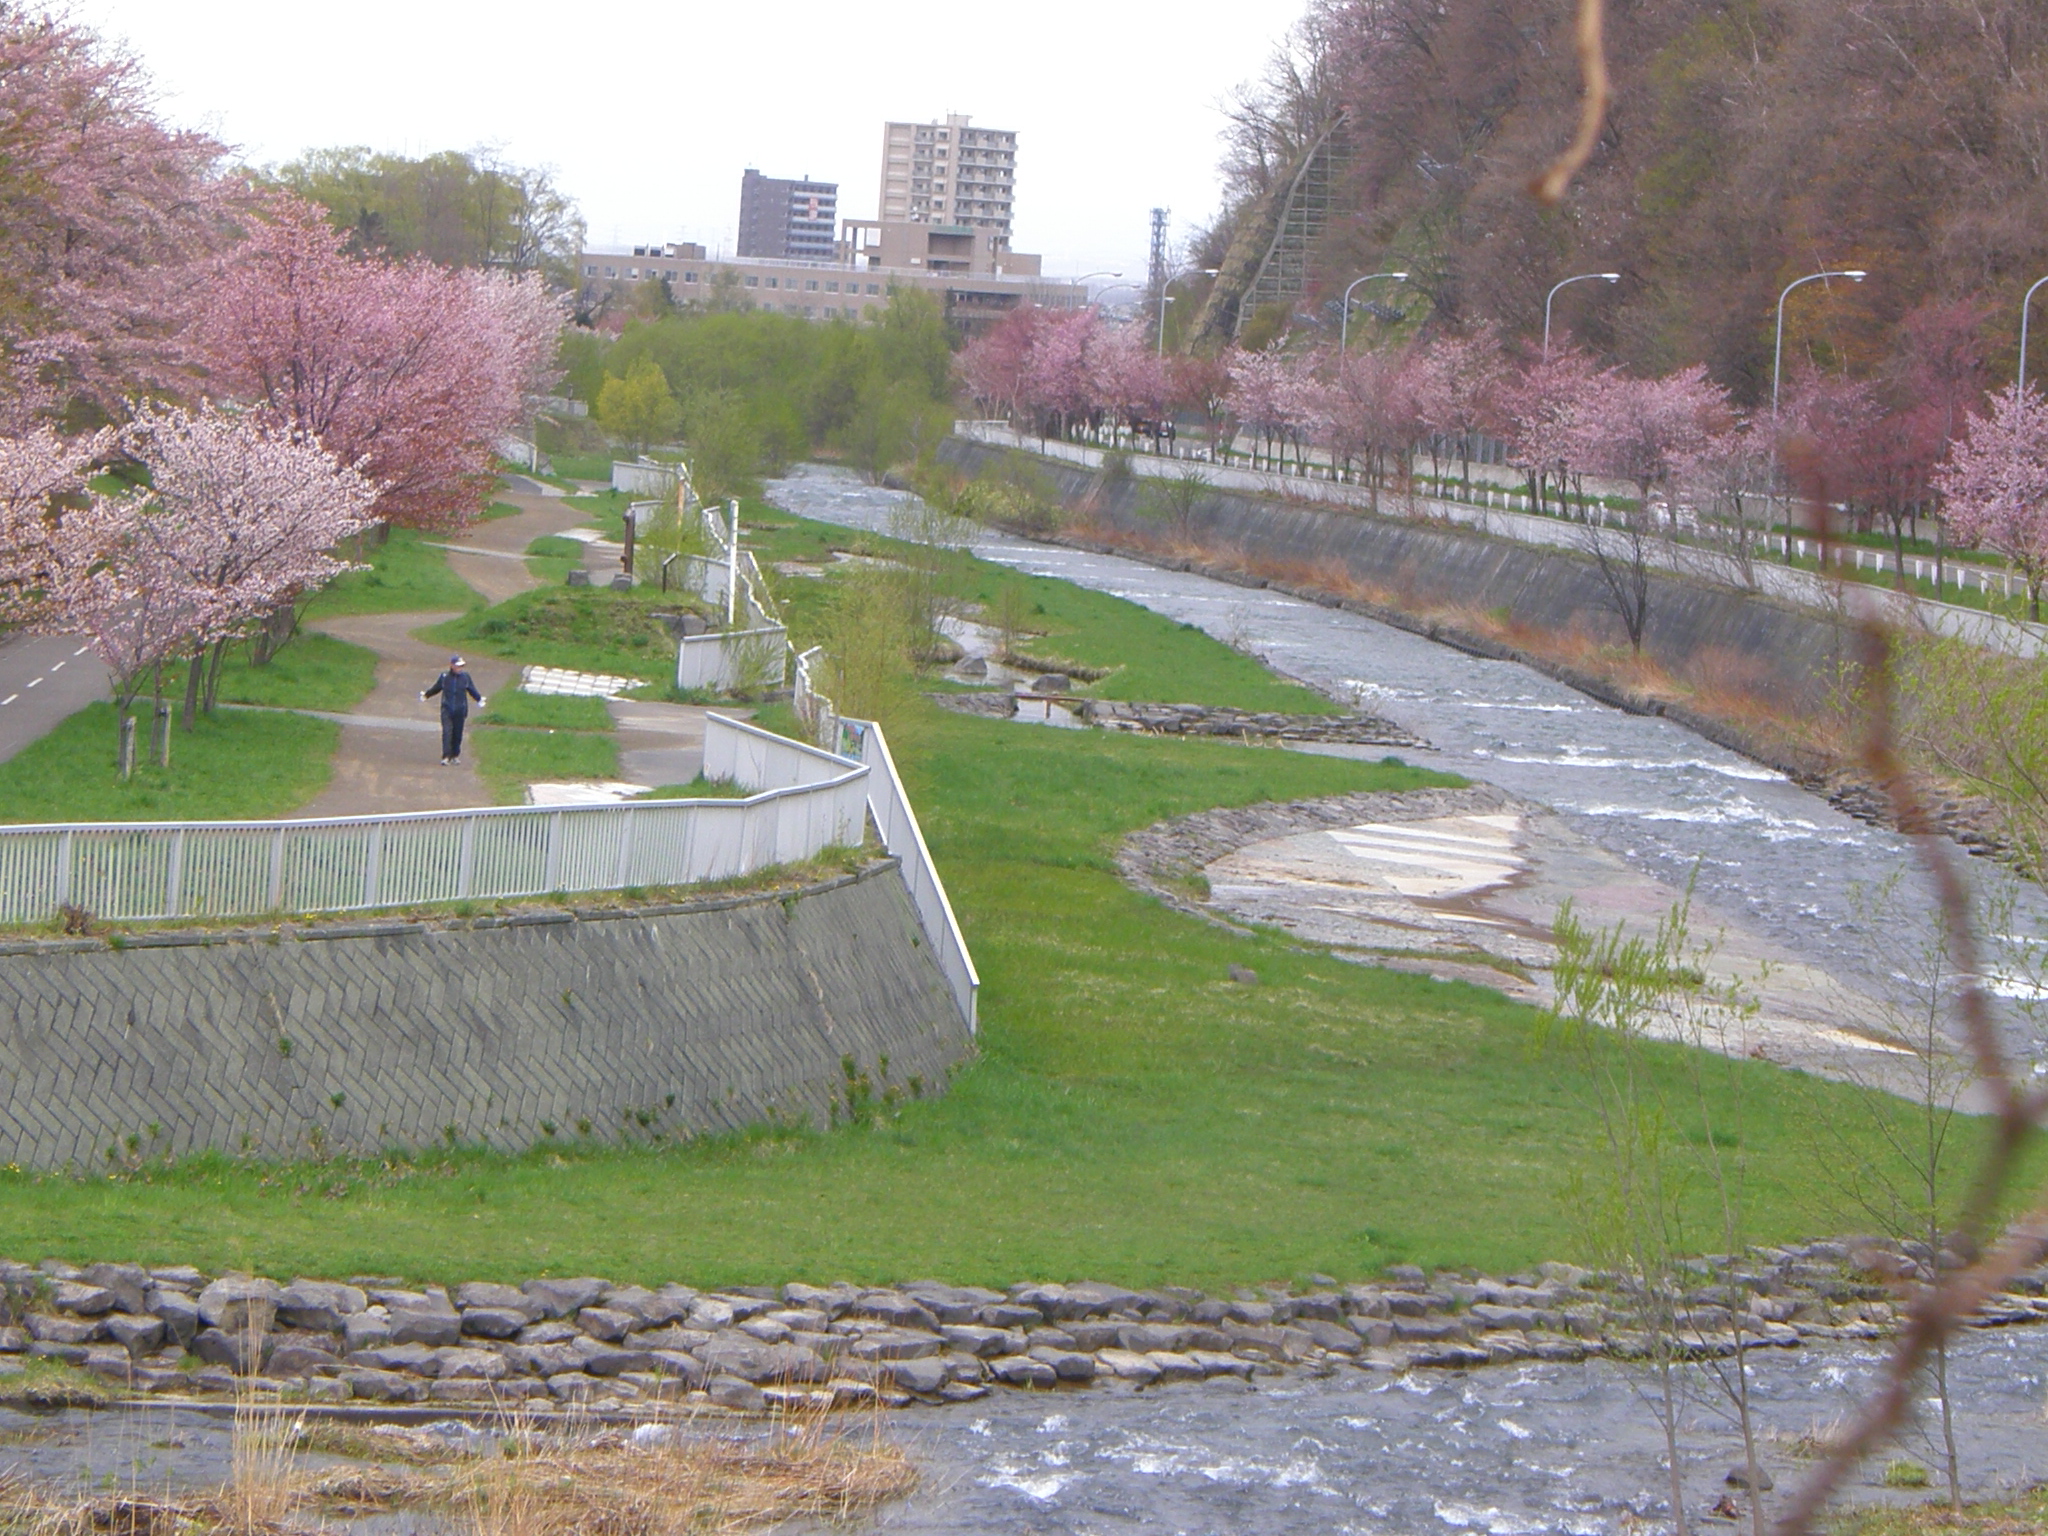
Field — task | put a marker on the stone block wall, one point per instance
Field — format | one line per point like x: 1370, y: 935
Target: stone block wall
x: 621, y: 1025
x: 1793, y: 653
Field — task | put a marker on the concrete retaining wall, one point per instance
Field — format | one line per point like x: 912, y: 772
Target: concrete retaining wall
x: 639, y: 1023
x: 1789, y: 653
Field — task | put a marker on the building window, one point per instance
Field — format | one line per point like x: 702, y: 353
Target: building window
x: 771, y: 282
x: 874, y: 287
x: 832, y: 287
x: 753, y: 282
x: 811, y: 285
x: 689, y: 277
x: 611, y: 271
x: 590, y: 271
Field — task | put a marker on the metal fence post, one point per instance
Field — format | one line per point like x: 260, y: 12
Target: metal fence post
x: 174, y: 875
x: 276, y: 898
x: 373, y: 865
x: 466, y: 861
x: 551, y: 870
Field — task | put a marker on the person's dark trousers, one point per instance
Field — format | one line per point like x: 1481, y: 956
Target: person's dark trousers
x: 451, y: 732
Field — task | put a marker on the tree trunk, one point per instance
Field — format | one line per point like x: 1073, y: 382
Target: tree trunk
x: 192, y: 670
x: 220, y: 650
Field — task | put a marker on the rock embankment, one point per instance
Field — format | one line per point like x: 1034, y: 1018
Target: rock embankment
x: 1193, y: 719
x: 587, y: 1341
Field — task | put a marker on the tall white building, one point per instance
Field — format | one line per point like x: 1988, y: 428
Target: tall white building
x: 949, y: 173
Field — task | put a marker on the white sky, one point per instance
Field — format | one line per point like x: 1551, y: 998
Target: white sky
x: 649, y: 112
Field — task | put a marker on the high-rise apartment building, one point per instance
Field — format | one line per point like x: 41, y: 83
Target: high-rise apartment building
x: 949, y: 173
x: 782, y: 220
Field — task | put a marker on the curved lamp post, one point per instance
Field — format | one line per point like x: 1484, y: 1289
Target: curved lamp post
x: 2029, y: 299
x: 1344, y: 326
x: 1164, y: 299
x: 1854, y: 274
x: 1583, y: 277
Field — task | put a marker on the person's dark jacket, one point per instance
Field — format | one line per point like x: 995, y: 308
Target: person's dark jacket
x: 456, y: 690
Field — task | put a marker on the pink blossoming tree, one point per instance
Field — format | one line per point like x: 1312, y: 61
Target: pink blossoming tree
x: 1995, y: 483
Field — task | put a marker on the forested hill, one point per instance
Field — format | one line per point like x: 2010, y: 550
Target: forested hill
x: 1749, y: 143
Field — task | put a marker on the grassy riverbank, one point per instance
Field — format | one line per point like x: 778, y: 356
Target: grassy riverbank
x: 1134, y: 1115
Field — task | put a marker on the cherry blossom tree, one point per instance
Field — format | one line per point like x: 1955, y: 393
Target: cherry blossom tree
x: 1995, y: 485
x: 1057, y: 386
x: 408, y: 370
x: 110, y: 219
x: 1372, y: 412
x: 1543, y: 405
x: 236, y: 520
x: 1129, y: 380
x: 993, y: 365
x: 1201, y: 384
x: 1644, y: 430
x: 38, y: 471
x: 1262, y: 389
x: 1459, y: 385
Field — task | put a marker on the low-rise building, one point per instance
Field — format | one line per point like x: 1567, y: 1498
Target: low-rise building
x: 818, y: 290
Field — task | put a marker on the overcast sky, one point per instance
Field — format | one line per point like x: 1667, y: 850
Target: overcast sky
x: 649, y: 112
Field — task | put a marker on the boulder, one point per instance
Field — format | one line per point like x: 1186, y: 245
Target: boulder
x: 736, y: 1393
x: 1146, y: 1338
x: 709, y: 1314
x: 617, y: 1362
x: 319, y: 1306
x: 136, y: 1332
x: 474, y: 1364
x: 604, y: 1323
x: 365, y: 1330
x: 49, y: 1328
x: 1127, y: 1365
x: 1008, y: 1314
x: 300, y: 1360
x: 241, y: 1351
x: 1334, y: 1337
x: 240, y: 1303
x: 550, y: 1332
x: 417, y: 1358
x: 1174, y: 1366
x: 495, y: 1322
x: 896, y: 1344
x: 1022, y: 1371
x: 13, y: 1341
x: 83, y: 1300
x: 926, y: 1377
x: 1067, y: 1364
x: 895, y: 1309
x: 766, y: 1329
x: 750, y: 1361
x: 129, y: 1282
x: 433, y: 1327
x: 1216, y: 1363
x: 674, y: 1365
x: 565, y: 1298
x: 985, y: 1342
x: 480, y: 1293
x: 575, y: 1387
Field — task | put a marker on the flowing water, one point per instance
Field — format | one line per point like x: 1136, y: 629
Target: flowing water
x: 1768, y: 855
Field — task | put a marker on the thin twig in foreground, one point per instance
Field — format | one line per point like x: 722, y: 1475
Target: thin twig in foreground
x: 1552, y: 183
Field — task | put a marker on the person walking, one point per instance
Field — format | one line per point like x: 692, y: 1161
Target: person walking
x: 456, y: 688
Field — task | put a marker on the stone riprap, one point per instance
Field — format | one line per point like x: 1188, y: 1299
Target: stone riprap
x: 586, y: 1341
x: 1197, y: 719
x: 628, y: 1023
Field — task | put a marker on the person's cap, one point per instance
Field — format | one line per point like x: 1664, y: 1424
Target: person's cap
x: 454, y: 661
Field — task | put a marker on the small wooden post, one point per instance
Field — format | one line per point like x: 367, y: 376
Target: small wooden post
x: 127, y: 758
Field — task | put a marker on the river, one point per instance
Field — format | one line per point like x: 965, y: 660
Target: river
x: 1765, y: 854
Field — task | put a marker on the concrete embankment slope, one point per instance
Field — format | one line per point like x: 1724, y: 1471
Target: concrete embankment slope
x: 614, y: 1025
x: 1696, y: 628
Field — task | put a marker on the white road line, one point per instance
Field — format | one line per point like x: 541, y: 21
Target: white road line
x: 9, y: 699
x: 35, y: 682
x: 81, y: 650
x: 60, y: 666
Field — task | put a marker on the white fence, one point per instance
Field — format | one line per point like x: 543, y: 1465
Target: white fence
x: 734, y: 660
x: 896, y: 824
x: 517, y: 450
x: 820, y: 716
x: 644, y: 478
x: 806, y: 800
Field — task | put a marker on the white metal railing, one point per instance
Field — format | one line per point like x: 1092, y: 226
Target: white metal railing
x: 645, y: 477
x: 734, y: 660
x: 820, y: 716
x: 805, y: 800
x: 896, y: 824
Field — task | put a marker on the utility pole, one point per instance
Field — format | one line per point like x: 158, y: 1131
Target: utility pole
x: 1155, y: 277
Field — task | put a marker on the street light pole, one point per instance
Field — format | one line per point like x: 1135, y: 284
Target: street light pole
x: 2029, y: 299
x: 1855, y: 275
x: 1344, y: 325
x: 1605, y: 277
x: 1164, y: 300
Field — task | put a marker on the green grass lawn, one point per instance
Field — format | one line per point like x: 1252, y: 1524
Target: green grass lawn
x: 313, y: 671
x: 552, y: 558
x: 582, y: 466
x: 515, y: 706
x: 508, y: 758
x: 1133, y: 1114
x: 588, y: 629
x: 237, y: 765
x: 406, y: 574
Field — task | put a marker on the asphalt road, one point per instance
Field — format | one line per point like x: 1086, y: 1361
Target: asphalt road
x: 43, y: 679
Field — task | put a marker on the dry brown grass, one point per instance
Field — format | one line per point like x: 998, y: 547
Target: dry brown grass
x: 558, y: 1478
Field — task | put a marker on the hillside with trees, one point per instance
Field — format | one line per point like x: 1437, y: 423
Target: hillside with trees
x: 1748, y: 144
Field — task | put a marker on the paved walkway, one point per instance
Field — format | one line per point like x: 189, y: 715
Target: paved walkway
x: 389, y: 757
